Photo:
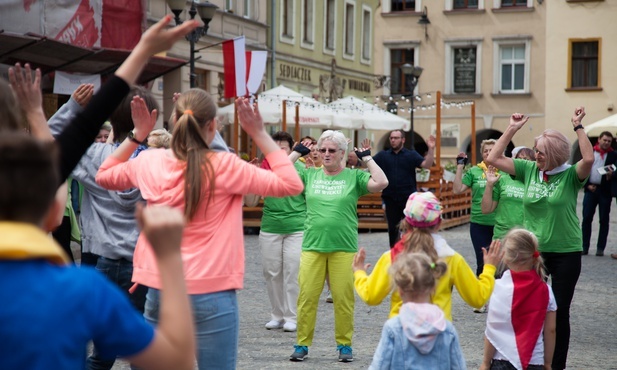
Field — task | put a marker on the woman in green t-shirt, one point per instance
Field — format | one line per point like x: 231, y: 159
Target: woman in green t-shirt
x: 481, y: 225
x: 331, y: 238
x: 549, y: 209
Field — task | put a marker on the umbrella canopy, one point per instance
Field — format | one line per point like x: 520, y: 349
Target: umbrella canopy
x: 368, y: 116
x: 606, y: 124
x: 311, y: 113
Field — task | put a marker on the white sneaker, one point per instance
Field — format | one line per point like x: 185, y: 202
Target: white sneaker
x: 289, y: 326
x: 274, y: 324
x: 484, y: 309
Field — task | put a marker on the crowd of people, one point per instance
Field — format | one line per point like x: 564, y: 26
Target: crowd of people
x: 161, y: 220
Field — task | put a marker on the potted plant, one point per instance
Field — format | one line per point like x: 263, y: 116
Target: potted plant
x: 449, y: 171
x: 422, y: 174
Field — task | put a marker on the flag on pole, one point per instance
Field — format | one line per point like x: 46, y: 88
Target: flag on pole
x: 244, y: 70
x: 516, y: 315
x: 234, y: 67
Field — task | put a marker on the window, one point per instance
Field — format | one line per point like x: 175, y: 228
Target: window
x: 584, y: 63
x: 510, y: 3
x: 402, y: 5
x: 247, y: 8
x: 463, y: 67
x: 307, y: 22
x: 349, y: 28
x: 229, y: 6
x: 465, y: 4
x: 366, y: 34
x: 513, y: 68
x: 398, y: 57
x: 329, y: 35
x: 287, y: 19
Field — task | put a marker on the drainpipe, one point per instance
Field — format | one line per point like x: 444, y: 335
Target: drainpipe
x: 273, y: 43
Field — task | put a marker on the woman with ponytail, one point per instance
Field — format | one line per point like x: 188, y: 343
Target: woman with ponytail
x: 208, y: 187
x: 420, y: 227
x: 521, y: 322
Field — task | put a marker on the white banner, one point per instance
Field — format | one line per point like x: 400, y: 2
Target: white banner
x: 66, y: 83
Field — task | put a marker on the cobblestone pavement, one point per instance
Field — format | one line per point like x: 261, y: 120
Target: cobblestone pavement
x: 593, y: 342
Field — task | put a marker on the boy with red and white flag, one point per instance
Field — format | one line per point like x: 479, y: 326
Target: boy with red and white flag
x: 243, y: 70
x: 521, y: 322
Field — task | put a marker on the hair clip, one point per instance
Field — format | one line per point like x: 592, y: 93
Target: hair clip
x: 536, y: 254
x: 188, y: 111
x: 432, y: 265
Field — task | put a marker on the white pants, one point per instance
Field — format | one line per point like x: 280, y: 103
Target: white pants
x: 280, y: 256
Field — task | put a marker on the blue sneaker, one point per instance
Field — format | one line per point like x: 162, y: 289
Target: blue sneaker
x: 300, y: 353
x: 344, y: 353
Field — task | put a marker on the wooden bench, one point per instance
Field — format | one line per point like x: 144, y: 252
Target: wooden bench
x: 371, y: 215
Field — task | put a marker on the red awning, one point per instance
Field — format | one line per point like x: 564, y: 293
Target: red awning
x: 51, y: 55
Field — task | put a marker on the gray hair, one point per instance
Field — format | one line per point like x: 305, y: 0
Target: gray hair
x: 336, y: 137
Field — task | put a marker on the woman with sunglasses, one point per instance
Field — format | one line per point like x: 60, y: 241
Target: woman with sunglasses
x: 549, y: 209
x: 331, y: 238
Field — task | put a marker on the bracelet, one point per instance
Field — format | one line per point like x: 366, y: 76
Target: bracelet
x: 576, y: 128
x: 367, y: 159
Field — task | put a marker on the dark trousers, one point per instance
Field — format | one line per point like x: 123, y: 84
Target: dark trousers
x: 394, y: 215
x: 564, y: 270
x: 481, y: 237
x: 62, y: 235
x: 120, y: 272
x: 591, y: 200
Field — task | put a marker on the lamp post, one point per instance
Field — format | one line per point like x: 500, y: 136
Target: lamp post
x: 206, y: 12
x: 412, y: 74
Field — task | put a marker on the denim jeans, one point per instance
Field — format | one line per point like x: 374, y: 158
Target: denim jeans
x: 564, y: 270
x: 216, y: 326
x: 591, y: 200
x: 120, y: 272
x: 481, y: 237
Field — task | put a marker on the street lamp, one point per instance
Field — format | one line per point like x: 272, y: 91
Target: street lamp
x: 206, y: 12
x: 412, y: 74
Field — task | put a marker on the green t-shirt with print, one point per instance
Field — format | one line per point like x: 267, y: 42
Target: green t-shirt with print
x: 331, y: 209
x: 549, y: 208
x: 509, y: 212
x: 475, y: 179
x: 284, y: 215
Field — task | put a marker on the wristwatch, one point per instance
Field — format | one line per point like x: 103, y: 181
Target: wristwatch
x: 132, y: 137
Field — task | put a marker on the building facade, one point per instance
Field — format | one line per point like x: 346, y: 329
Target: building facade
x: 491, y: 52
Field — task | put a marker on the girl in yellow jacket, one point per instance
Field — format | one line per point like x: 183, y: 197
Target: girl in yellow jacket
x: 421, y: 223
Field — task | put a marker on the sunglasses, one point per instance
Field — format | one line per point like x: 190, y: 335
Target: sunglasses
x: 331, y: 151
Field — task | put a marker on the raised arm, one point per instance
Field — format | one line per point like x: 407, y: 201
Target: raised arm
x: 173, y: 346
x: 79, y: 135
x: 67, y: 112
x: 583, y: 167
x: 488, y: 204
x: 429, y: 158
x: 458, y: 186
x: 378, y: 180
x: 496, y: 157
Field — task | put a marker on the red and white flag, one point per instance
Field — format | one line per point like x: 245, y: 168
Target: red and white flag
x: 516, y: 315
x: 244, y: 70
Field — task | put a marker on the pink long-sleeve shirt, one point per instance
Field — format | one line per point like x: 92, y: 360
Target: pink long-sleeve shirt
x: 213, y: 241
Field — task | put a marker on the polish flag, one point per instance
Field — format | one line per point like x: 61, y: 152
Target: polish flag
x: 234, y: 67
x: 244, y: 70
x: 516, y: 315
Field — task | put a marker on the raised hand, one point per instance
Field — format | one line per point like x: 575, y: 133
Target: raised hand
x: 82, y: 94
x: 358, y: 261
x: 491, y: 176
x: 163, y: 227
x: 518, y: 120
x: 431, y: 142
x: 27, y: 90
x: 577, y: 117
x: 143, y: 120
x: 249, y: 117
x: 494, y: 254
x: 160, y: 37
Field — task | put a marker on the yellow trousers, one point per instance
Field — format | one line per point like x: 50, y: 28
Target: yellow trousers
x: 313, y: 269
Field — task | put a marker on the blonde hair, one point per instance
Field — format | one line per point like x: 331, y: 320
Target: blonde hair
x: 416, y: 273
x: 556, y: 148
x: 161, y: 138
x: 487, y: 142
x: 520, y: 246
x: 194, y: 110
x: 418, y: 240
